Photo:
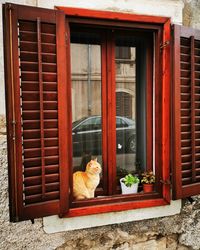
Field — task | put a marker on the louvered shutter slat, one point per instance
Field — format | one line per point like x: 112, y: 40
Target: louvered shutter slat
x: 38, y: 101
x: 186, y: 106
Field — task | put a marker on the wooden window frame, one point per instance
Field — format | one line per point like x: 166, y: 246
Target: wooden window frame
x: 161, y: 27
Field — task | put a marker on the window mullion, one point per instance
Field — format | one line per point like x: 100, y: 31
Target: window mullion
x: 104, y: 114
x: 111, y: 86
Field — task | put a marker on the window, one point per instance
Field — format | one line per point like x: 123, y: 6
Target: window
x: 124, y: 104
x: 83, y: 84
x: 87, y: 48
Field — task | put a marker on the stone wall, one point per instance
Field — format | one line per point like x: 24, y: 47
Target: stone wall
x: 2, y: 125
x: 191, y: 13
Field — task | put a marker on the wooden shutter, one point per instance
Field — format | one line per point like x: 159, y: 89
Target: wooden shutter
x: 186, y: 112
x: 35, y: 70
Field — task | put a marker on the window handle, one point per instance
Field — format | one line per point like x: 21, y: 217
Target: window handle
x: 166, y: 182
x: 165, y: 44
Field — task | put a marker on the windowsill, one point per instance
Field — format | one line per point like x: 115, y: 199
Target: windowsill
x: 54, y: 224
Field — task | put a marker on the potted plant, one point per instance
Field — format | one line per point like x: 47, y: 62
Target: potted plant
x: 129, y: 184
x: 148, y: 180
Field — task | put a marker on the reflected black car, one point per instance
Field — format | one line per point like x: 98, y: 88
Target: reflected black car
x: 87, y: 136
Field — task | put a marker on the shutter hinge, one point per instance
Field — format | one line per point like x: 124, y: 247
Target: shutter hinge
x: 165, y: 44
x: 66, y: 36
x: 16, y: 219
x: 166, y: 182
x: 10, y: 7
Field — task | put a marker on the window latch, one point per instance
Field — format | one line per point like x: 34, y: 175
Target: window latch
x: 165, y: 44
x: 166, y: 182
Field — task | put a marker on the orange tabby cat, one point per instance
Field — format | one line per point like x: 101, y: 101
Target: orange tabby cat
x: 85, y: 183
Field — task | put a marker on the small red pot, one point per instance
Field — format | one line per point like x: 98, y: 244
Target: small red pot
x: 147, y: 188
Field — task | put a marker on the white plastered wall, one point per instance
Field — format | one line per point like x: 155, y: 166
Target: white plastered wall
x: 169, y: 8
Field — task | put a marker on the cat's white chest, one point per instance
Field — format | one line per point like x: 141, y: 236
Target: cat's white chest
x: 94, y: 182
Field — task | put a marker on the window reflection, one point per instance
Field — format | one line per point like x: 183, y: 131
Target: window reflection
x: 86, y: 98
x: 129, y: 138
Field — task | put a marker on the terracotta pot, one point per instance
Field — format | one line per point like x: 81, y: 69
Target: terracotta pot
x: 147, y: 188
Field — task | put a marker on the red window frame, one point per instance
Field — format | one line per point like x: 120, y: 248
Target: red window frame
x: 45, y: 202
x: 161, y: 27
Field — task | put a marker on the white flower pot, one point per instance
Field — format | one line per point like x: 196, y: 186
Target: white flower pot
x: 128, y: 190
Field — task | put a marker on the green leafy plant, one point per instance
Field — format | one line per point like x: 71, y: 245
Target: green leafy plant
x: 130, y: 179
x: 148, y: 177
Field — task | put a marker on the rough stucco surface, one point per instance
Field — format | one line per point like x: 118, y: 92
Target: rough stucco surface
x: 191, y: 13
x: 175, y: 232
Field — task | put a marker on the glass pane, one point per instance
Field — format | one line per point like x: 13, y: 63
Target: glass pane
x: 130, y: 106
x: 86, y: 99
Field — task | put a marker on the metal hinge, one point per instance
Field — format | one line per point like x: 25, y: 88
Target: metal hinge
x: 10, y: 7
x: 16, y: 219
x: 166, y: 182
x: 165, y: 44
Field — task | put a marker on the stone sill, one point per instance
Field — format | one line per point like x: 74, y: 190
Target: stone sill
x: 54, y: 224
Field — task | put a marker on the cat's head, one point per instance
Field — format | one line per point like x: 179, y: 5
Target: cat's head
x: 93, y: 167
